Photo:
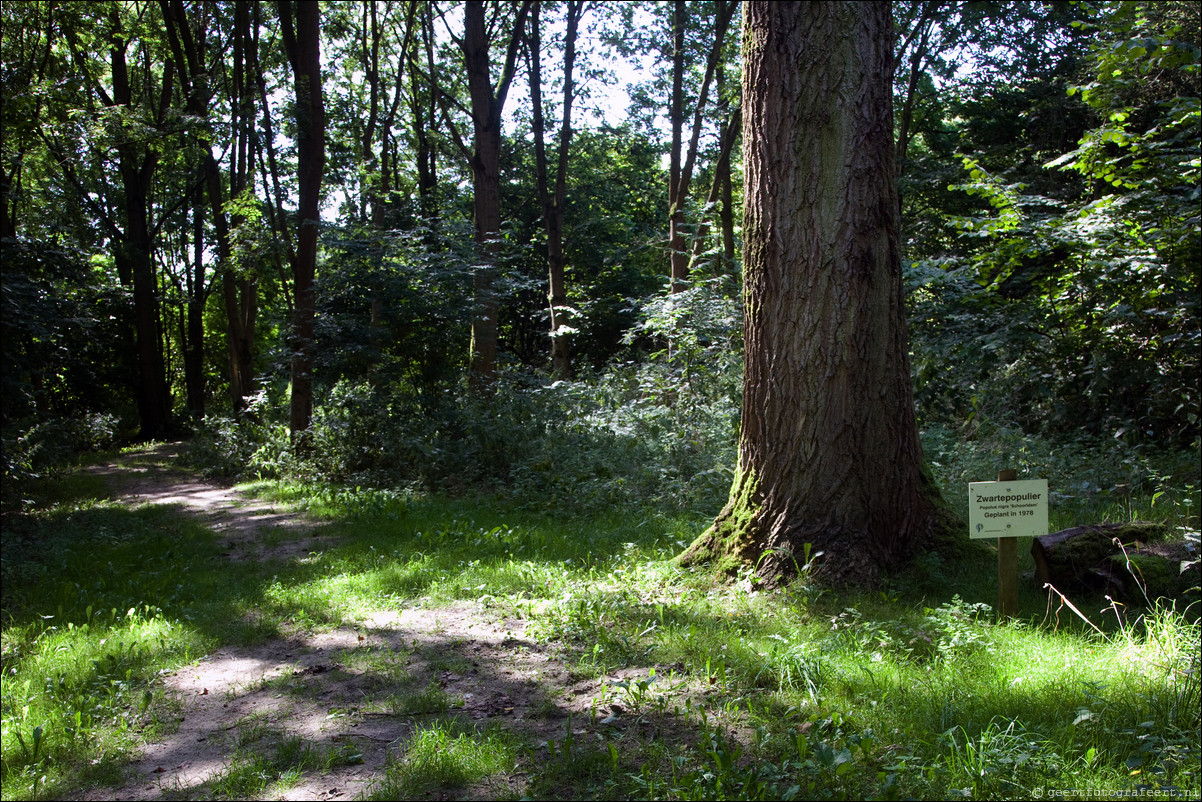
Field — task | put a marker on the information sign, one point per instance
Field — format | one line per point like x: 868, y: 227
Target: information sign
x: 1008, y: 509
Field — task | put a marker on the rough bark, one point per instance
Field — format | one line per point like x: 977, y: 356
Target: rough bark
x: 304, y: 52
x: 1083, y: 557
x: 828, y: 451
x: 487, y: 104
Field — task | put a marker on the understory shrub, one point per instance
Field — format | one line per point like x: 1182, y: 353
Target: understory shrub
x: 659, y: 431
x: 32, y: 449
x: 584, y: 445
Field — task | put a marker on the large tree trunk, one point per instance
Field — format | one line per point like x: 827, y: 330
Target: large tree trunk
x: 828, y: 451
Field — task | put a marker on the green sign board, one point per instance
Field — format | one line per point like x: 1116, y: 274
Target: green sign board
x: 1008, y: 509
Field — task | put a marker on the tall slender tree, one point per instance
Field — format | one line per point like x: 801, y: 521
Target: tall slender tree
x: 487, y: 105
x: 186, y: 37
x: 135, y: 98
x: 300, y: 24
x: 553, y: 201
x: 682, y: 161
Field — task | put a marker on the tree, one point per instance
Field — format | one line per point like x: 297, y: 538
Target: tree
x: 828, y: 449
x: 187, y: 41
x: 681, y: 175
x: 302, y: 44
x: 134, y: 105
x: 553, y: 202
x: 487, y: 104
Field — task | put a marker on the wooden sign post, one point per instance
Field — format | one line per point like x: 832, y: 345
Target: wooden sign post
x: 1007, y: 510
x: 1007, y: 565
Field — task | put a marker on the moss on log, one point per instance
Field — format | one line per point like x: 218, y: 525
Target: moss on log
x: 1090, y: 558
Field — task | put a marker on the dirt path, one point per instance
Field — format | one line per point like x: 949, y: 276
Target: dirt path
x: 354, y: 692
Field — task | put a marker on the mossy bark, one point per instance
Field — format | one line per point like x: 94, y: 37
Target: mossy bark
x: 731, y: 542
x: 1089, y: 558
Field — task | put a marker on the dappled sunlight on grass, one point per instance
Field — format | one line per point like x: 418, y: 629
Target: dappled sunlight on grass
x: 915, y: 681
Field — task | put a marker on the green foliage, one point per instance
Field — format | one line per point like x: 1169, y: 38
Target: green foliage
x: 62, y: 322
x: 46, y: 448
x: 660, y: 432
x: 1060, y: 292
x: 1048, y: 328
x: 82, y: 648
x: 613, y: 224
x: 228, y: 447
x: 444, y: 755
x: 1082, y: 468
x: 394, y: 310
x: 724, y: 691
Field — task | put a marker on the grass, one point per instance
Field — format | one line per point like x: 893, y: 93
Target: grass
x: 447, y: 755
x: 724, y: 690
x: 265, y: 763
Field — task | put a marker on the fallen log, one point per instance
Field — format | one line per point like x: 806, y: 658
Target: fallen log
x: 1086, y: 557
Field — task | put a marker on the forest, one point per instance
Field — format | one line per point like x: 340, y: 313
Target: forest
x: 411, y: 343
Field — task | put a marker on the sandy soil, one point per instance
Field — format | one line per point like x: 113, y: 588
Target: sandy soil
x: 349, y: 688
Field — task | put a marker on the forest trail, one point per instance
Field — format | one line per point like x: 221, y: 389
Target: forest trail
x: 355, y: 691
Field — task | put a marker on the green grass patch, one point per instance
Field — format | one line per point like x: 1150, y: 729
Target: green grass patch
x: 266, y: 763
x: 98, y: 601
x: 701, y: 690
x: 447, y: 755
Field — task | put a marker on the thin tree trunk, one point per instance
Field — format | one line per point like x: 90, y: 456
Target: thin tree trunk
x: 194, y: 379
x: 269, y: 168
x: 137, y: 166
x: 486, y: 106
x: 907, y: 116
x: 303, y: 46
x: 676, y: 269
x: 553, y: 204
x: 681, y: 174
x: 720, y: 184
x: 423, y: 107
x: 238, y: 289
